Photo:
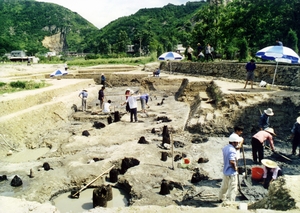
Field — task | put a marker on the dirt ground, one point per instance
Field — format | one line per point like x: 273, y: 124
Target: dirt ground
x: 72, y: 155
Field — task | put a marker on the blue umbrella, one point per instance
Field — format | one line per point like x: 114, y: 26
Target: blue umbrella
x: 278, y: 54
x: 58, y: 73
x: 284, y: 54
x: 170, y: 56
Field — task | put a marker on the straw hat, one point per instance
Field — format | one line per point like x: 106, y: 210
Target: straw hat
x: 269, y: 112
x: 270, y: 130
x: 298, y: 120
x: 269, y: 163
x: 234, y: 138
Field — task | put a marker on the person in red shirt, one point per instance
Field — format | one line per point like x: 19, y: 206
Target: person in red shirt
x: 258, y: 143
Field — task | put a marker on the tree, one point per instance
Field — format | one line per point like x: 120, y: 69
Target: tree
x: 243, y: 47
x: 292, y: 40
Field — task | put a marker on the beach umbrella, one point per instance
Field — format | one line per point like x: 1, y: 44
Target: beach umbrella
x: 58, y: 73
x: 278, y: 54
x: 170, y: 56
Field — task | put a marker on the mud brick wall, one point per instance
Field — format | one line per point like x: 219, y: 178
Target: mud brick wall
x: 287, y: 74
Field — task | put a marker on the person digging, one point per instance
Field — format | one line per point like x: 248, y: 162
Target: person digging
x: 271, y: 172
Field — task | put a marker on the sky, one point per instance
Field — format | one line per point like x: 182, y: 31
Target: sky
x: 102, y: 12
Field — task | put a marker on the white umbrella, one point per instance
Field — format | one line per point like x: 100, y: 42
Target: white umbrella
x: 170, y: 56
x: 278, y: 54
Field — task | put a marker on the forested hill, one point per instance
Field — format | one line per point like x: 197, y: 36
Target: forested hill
x: 24, y: 25
x: 151, y: 28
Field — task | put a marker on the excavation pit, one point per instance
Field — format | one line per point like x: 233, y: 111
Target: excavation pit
x: 64, y: 203
x: 201, y: 127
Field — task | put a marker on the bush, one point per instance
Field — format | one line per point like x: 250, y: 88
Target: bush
x: 91, y: 56
x: 18, y: 84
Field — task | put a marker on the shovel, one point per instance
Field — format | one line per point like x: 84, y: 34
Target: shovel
x: 281, y: 155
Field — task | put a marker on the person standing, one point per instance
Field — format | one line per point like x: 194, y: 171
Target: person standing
x: 264, y: 119
x: 296, y: 136
x: 103, y: 79
x: 250, y: 67
x: 200, y: 55
x: 208, y: 53
x: 101, y: 96
x: 258, y: 143
x: 132, y: 101
x: 189, y: 53
x: 238, y: 130
x: 144, y: 102
x: 127, y: 94
x: 271, y: 172
x: 83, y: 95
x: 229, y: 181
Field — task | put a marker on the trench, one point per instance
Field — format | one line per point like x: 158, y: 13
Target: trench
x: 211, y: 116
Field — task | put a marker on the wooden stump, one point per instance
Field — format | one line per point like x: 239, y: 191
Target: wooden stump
x: 113, y: 175
x: 164, y: 156
x: 164, y: 188
x: 109, y: 119
x: 100, y: 196
x: 109, y: 192
x: 116, y: 116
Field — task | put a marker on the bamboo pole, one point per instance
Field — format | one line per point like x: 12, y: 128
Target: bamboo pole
x: 83, y: 188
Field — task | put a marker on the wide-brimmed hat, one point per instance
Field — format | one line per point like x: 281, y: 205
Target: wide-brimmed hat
x: 234, y: 138
x: 269, y: 111
x: 269, y: 163
x: 270, y: 130
x: 298, y: 120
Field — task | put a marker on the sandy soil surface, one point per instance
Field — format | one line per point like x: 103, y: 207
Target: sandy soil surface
x: 71, y: 155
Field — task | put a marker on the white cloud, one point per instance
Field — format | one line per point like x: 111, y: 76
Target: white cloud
x: 102, y: 12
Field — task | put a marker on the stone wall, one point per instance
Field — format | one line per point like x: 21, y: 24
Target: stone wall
x: 286, y: 75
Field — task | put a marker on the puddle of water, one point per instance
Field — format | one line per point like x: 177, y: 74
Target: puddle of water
x: 65, y: 204
x: 26, y: 155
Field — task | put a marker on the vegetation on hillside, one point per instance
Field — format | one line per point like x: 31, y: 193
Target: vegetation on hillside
x: 239, y: 28
x: 24, y: 24
x: 16, y: 86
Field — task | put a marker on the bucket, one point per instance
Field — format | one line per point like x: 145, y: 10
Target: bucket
x: 185, y: 162
x: 257, y: 173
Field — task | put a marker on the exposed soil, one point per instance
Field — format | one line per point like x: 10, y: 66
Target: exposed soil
x: 199, y: 113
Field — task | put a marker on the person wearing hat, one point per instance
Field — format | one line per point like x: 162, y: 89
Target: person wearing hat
x: 271, y: 172
x: 296, y: 136
x: 264, y: 119
x: 238, y: 130
x: 229, y: 181
x: 250, y: 67
x: 83, y: 95
x: 258, y: 143
x: 103, y: 79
